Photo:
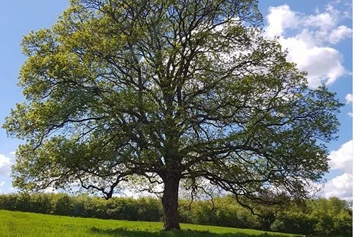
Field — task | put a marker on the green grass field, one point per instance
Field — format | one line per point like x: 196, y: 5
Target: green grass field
x: 40, y: 225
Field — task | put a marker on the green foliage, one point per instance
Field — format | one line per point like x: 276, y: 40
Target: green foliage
x: 320, y: 217
x: 147, y: 209
x: 223, y: 212
x: 295, y: 222
x: 334, y: 217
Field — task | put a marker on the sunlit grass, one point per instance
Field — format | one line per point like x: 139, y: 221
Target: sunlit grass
x: 40, y: 225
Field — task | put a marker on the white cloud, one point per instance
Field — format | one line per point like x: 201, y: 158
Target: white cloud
x: 336, y: 1
x: 5, y: 165
x: 342, y: 158
x: 324, y: 20
x: 349, y: 98
x: 340, y: 33
x: 309, y: 46
x: 279, y: 19
x: 340, y: 186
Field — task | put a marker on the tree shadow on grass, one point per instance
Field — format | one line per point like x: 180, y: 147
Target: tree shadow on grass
x: 123, y: 232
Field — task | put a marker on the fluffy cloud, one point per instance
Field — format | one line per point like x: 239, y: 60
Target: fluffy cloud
x: 5, y: 165
x: 341, y: 159
x: 310, y: 46
x: 340, y: 33
x: 349, y: 98
x: 279, y: 19
x: 341, y: 186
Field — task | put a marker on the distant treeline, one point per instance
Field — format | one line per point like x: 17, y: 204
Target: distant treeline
x: 320, y: 217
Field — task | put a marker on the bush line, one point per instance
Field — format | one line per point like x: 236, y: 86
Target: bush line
x: 322, y: 217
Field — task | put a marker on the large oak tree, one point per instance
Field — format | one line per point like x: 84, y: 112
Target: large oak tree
x: 173, y: 91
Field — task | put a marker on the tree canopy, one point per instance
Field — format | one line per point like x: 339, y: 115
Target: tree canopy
x: 172, y: 91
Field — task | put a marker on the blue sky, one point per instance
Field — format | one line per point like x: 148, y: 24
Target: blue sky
x: 317, y: 34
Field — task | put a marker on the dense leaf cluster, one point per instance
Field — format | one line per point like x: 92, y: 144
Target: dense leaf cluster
x: 322, y: 217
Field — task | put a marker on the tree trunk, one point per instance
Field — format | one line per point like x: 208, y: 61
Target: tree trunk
x: 170, y: 204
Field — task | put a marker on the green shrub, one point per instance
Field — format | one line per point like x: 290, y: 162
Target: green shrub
x: 322, y: 217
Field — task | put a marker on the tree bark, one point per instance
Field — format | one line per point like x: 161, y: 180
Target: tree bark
x: 170, y: 204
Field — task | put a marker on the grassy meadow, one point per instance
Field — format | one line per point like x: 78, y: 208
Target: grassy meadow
x: 23, y: 224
